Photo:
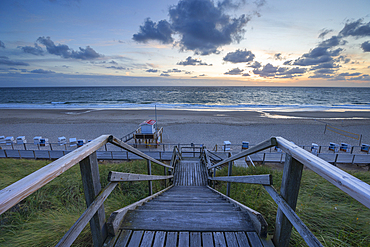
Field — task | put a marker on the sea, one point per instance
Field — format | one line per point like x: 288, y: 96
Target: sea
x: 188, y: 98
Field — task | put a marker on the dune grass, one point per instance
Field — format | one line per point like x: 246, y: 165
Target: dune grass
x: 334, y: 218
x: 45, y: 216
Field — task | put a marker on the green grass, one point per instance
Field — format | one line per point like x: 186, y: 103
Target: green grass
x: 45, y: 216
x: 333, y: 217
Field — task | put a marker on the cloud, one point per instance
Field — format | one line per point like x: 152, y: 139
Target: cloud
x: 349, y: 74
x: 117, y: 67
x: 3, y: 57
x: 279, y: 72
x: 278, y: 56
x: 153, y: 31
x: 324, y: 32
x: 152, y: 70
x: 64, y: 51
x: 235, y: 71
x: 288, y: 62
x: 228, y: 4
x: 366, y: 46
x: 164, y: 74
x: 173, y: 71
x: 113, y: 62
x: 201, y: 26
x: 267, y: 71
x: 328, y: 65
x: 2, y: 45
x: 246, y: 74
x: 192, y: 61
x: 42, y: 71
x: 12, y: 63
x: 36, y: 50
x: 356, y: 29
x: 239, y: 56
x: 255, y: 65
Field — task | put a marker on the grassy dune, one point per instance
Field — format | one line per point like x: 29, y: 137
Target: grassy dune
x: 45, y: 216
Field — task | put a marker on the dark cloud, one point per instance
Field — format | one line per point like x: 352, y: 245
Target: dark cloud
x: 3, y: 57
x: 349, y: 74
x: 267, y: 71
x: 152, y: 70
x: 2, y: 45
x: 255, y: 65
x: 64, y: 51
x: 34, y: 50
x: 203, y: 75
x: 332, y: 42
x: 360, y: 78
x: 288, y: 62
x: 12, y: 63
x: 324, y: 32
x: 113, y: 62
x: 235, y: 71
x: 356, y: 29
x: 239, y: 56
x: 192, y: 61
x: 153, y: 31
x: 228, y: 4
x: 164, y: 74
x: 278, y: 56
x: 366, y: 46
x: 173, y: 71
x: 343, y: 59
x: 246, y: 74
x: 279, y: 72
x: 42, y: 71
x: 117, y: 67
x: 201, y: 26
x: 328, y: 65
x: 316, y: 56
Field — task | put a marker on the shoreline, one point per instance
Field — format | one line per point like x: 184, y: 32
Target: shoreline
x: 187, y: 126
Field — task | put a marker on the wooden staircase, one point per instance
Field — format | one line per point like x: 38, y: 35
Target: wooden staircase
x: 188, y: 214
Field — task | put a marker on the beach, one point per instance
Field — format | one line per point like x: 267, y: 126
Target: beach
x: 188, y: 126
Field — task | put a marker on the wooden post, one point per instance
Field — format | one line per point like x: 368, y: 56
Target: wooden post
x: 229, y: 171
x: 290, y: 184
x: 92, y: 187
x: 150, y: 185
x: 165, y: 173
x: 214, y: 175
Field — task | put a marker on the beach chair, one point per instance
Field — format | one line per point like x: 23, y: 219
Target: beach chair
x: 245, y: 145
x: 72, y: 142
x: 2, y: 140
x: 9, y: 140
x: 36, y: 140
x: 365, y: 148
x: 62, y: 140
x: 345, y: 147
x: 314, y: 148
x: 44, y: 141
x: 227, y: 146
x: 80, y: 142
x: 334, y: 147
x: 21, y: 140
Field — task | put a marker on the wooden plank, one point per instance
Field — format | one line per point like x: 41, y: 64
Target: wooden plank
x: 207, y: 239
x: 124, y: 238
x: 116, y: 217
x: 21, y: 189
x: 354, y: 187
x: 289, y: 190
x: 150, y: 184
x: 119, y: 143
x: 185, y: 221
x: 92, y: 187
x: 136, y: 239
x: 229, y: 173
x: 183, y: 239
x: 147, y: 239
x: 171, y: 240
x: 195, y: 239
x: 242, y: 239
x: 111, y: 241
x: 80, y: 224
x: 251, y: 179
x: 302, y: 229
x: 259, y: 223
x: 159, y: 239
x: 255, y: 149
x: 125, y: 177
x: 231, y: 239
x: 219, y: 239
x: 254, y: 239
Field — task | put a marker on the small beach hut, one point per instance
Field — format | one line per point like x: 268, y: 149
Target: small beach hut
x: 365, y: 147
x: 62, y: 140
x: 314, y: 148
x: 36, y: 140
x: 9, y: 140
x: 333, y: 147
x: 245, y: 145
x: 148, y: 127
x: 72, y: 142
x: 81, y: 142
x: 21, y: 140
x: 227, y: 145
x: 44, y: 141
x: 345, y: 147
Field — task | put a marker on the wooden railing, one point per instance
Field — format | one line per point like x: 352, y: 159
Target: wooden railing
x: 296, y: 159
x: 94, y: 195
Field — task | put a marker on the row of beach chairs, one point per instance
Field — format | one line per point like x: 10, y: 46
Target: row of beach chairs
x: 39, y: 140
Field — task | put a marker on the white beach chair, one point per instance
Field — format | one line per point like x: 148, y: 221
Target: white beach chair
x: 36, y: 140
x: 9, y: 140
x: 2, y: 140
x: 72, y: 142
x: 21, y: 140
x: 62, y: 140
x: 227, y: 145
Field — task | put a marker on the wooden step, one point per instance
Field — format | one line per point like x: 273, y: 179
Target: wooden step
x: 197, y: 208
x: 187, y: 221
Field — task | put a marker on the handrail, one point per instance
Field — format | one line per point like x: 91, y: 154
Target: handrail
x: 21, y: 189
x: 176, y: 155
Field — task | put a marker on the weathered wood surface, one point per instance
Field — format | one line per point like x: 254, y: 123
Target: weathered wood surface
x: 251, y: 179
x: 84, y: 219
x: 259, y: 223
x: 126, y: 177
x: 116, y: 217
x: 121, y: 144
x: 186, y: 239
x: 21, y: 189
x: 289, y: 190
x: 302, y: 229
x: 259, y: 147
x: 354, y: 187
x: 190, y: 173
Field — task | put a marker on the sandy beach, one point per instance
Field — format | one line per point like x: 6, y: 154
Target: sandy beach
x: 183, y: 126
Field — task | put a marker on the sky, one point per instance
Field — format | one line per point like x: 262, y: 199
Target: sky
x: 185, y: 43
